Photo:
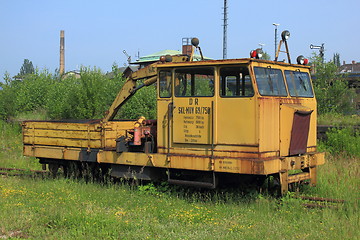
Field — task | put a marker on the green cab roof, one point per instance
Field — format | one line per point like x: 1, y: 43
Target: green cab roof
x: 156, y: 56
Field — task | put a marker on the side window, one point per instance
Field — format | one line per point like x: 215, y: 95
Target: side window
x: 165, y: 84
x: 270, y: 81
x: 235, y: 82
x: 191, y: 82
x: 299, y: 84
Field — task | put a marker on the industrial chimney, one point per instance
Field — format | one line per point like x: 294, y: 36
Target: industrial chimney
x: 62, y: 53
x: 186, y: 46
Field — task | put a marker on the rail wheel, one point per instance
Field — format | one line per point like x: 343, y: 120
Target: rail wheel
x: 272, y: 185
x: 53, y: 168
x: 73, y: 170
x: 90, y: 171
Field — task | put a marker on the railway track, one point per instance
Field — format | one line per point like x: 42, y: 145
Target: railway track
x: 21, y: 172
x: 309, y: 202
x: 320, y: 202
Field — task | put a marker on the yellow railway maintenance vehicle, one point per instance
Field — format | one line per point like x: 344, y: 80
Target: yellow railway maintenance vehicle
x: 218, y: 121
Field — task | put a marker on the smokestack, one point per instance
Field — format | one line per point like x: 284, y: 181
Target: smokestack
x: 62, y: 53
x: 186, y: 46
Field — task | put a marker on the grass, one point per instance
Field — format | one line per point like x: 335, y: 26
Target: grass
x: 37, y: 208
x: 39, y: 114
x: 337, y: 119
x: 345, y: 141
x: 11, y: 148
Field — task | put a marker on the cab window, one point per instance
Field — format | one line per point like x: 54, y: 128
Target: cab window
x: 235, y: 82
x: 165, y: 84
x: 194, y: 82
x: 270, y: 81
x: 298, y: 84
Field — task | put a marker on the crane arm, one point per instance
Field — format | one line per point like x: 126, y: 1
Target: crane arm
x: 149, y: 73
x: 130, y: 88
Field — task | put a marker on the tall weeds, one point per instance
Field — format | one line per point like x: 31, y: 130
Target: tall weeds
x: 345, y: 141
x: 86, y: 96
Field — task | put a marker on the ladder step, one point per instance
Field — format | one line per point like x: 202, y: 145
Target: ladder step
x: 192, y: 183
x: 298, y: 177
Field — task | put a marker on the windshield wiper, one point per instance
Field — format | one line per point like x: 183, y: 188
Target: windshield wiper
x: 270, y: 82
x: 302, y: 82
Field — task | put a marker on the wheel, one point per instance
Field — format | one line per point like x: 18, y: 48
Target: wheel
x: 73, y: 170
x: 272, y: 185
x: 90, y: 171
x: 53, y: 168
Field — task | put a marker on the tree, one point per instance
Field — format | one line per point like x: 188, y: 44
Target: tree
x: 26, y: 68
x: 336, y: 59
x: 266, y: 56
x: 331, y: 89
x: 7, y: 99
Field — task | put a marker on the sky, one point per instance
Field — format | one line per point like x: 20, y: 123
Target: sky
x: 97, y: 32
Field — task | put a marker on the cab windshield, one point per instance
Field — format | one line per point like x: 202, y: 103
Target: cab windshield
x: 299, y: 84
x: 270, y: 81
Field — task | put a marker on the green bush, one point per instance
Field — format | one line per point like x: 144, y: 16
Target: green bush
x: 143, y: 103
x: 332, y: 92
x: 32, y: 92
x: 27, y: 94
x: 343, y: 141
x: 91, y: 95
x: 7, y: 99
x: 86, y: 97
x: 83, y: 98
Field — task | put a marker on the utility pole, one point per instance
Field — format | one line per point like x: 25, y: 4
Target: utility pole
x: 321, y: 50
x: 276, y: 25
x: 225, y: 31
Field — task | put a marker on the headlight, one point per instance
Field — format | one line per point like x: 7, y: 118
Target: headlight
x: 285, y: 35
x: 258, y: 53
x: 302, y: 60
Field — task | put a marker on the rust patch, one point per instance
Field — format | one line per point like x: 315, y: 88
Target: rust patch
x: 258, y: 167
x: 290, y: 101
x: 300, y: 132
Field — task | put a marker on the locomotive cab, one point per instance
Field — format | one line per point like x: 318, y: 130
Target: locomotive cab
x: 243, y: 116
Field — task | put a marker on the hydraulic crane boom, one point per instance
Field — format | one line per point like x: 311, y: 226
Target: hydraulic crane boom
x: 149, y: 73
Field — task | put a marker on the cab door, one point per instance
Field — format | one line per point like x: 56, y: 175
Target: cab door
x: 164, y: 110
x: 236, y: 108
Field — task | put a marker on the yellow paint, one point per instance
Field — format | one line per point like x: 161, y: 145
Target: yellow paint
x: 269, y: 127
x: 192, y: 120
x: 240, y: 127
x: 137, y: 159
x: 163, y: 123
x: 52, y: 152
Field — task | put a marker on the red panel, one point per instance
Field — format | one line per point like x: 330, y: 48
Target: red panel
x: 187, y: 49
x: 299, y: 133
